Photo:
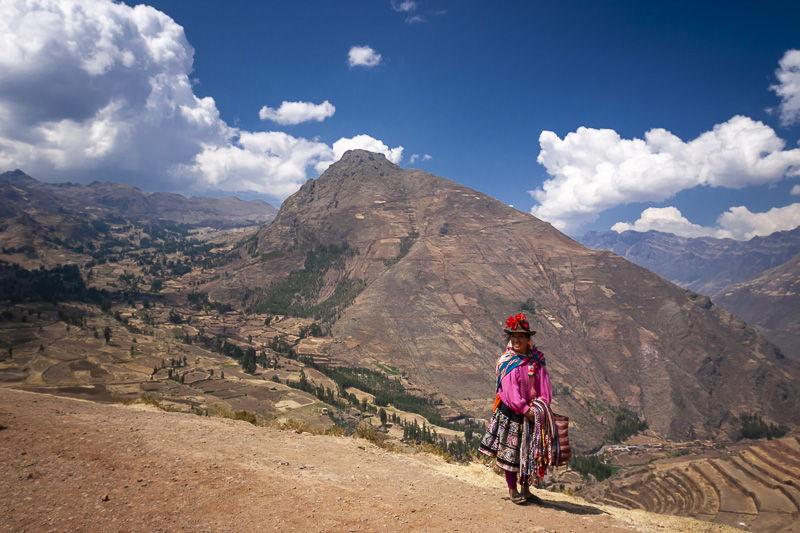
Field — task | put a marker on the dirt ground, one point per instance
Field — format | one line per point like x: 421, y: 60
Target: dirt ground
x: 74, y: 465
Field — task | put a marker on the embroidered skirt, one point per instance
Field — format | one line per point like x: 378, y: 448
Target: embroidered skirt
x: 502, y: 438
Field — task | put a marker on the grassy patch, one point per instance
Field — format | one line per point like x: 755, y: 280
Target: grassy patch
x: 369, y: 433
x: 298, y: 294
x: 389, y: 369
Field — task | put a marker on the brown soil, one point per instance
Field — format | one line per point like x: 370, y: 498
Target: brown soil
x: 73, y: 465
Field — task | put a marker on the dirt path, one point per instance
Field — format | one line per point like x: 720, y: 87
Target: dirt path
x: 73, y: 465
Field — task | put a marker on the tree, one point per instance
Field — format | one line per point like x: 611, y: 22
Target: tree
x: 249, y: 360
x: 221, y: 374
x: 383, y: 416
x: 107, y: 334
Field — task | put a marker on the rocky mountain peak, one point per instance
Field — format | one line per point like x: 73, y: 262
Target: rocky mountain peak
x: 435, y: 267
x: 364, y: 158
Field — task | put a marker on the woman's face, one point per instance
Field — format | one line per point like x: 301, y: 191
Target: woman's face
x: 519, y: 342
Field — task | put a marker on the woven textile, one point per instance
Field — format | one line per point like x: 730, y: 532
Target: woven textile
x: 502, y: 438
x: 538, y: 443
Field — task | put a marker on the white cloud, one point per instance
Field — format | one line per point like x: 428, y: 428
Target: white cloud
x: 744, y: 225
x: 273, y: 163
x: 414, y: 19
x: 795, y: 190
x: 669, y: 220
x: 363, y: 56
x: 426, y: 157
x: 101, y: 90
x: 788, y: 88
x: 290, y: 113
x: 404, y: 6
x: 736, y: 223
x: 593, y: 170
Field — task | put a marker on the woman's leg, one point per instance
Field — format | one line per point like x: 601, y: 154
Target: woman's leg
x: 511, y: 480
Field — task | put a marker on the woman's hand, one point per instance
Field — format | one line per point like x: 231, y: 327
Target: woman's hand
x: 530, y: 416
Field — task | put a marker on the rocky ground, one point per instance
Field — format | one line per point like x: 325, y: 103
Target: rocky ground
x: 73, y: 465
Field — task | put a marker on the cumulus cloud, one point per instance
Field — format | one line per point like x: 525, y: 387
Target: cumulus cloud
x: 669, y: 220
x: 788, y: 87
x: 290, y: 113
x: 93, y: 86
x: 744, y: 225
x: 595, y: 169
x: 363, y: 56
x: 736, y: 223
x: 101, y: 90
x: 795, y: 190
x: 247, y: 163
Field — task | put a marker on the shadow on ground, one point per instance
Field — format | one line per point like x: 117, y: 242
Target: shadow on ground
x: 572, y: 508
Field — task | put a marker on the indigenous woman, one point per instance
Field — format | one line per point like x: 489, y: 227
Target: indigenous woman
x: 522, y: 385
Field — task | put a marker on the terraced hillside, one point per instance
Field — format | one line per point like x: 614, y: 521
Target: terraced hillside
x: 755, y: 488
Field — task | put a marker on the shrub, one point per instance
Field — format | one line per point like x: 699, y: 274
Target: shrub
x: 247, y: 416
x: 626, y: 424
x: 753, y: 427
x: 590, y: 464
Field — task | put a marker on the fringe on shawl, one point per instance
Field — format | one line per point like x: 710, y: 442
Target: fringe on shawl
x: 539, y: 447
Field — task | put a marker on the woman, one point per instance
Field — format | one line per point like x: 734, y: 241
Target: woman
x: 521, y: 378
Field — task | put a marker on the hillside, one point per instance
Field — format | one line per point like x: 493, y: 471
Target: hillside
x: 81, y: 466
x: 752, y: 487
x: 702, y: 264
x: 416, y: 272
x: 771, y: 302
x: 752, y: 279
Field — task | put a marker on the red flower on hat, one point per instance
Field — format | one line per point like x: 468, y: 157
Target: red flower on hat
x: 514, y: 322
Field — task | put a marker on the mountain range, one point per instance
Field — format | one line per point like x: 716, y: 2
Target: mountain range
x: 414, y: 272
x: 20, y: 193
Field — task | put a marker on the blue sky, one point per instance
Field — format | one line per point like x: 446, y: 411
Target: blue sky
x: 678, y: 116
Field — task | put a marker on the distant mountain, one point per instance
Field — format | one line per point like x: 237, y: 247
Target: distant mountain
x: 20, y: 193
x: 417, y: 273
x: 771, y: 302
x: 704, y: 264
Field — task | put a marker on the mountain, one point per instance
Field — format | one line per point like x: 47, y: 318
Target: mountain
x: 771, y: 302
x: 753, y: 279
x: 19, y: 192
x: 702, y: 264
x: 416, y: 273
